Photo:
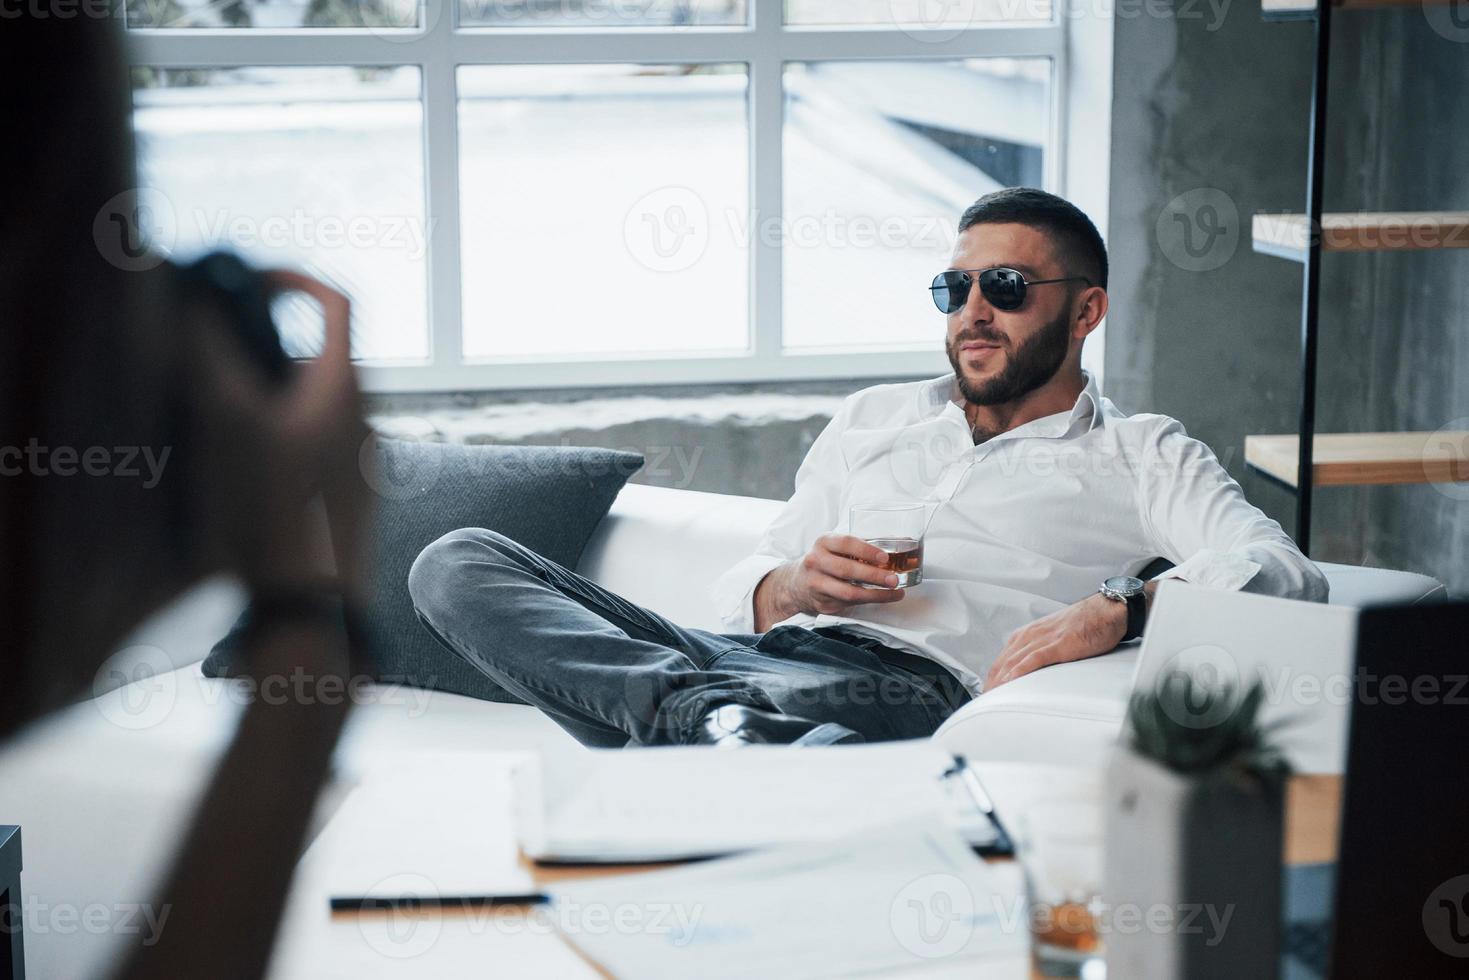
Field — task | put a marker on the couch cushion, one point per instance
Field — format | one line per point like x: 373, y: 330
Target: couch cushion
x: 550, y: 499
x: 1071, y: 713
x: 1356, y: 585
x: 1068, y: 714
x: 663, y: 548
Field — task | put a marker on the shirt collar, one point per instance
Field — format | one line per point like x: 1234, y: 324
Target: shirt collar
x: 1085, y: 415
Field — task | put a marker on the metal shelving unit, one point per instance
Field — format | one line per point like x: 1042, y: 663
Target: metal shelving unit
x: 1341, y: 459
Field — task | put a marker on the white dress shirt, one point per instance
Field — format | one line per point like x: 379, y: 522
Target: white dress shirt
x: 1022, y: 525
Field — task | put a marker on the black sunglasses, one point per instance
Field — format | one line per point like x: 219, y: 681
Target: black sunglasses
x: 1004, y: 288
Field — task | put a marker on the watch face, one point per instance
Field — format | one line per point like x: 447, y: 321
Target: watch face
x: 1123, y: 584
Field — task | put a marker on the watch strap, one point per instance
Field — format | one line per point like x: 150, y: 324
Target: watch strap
x: 1137, y: 614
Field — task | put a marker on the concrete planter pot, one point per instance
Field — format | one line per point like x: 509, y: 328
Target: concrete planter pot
x: 1192, y: 878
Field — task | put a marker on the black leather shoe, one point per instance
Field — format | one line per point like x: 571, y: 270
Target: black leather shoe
x: 730, y: 726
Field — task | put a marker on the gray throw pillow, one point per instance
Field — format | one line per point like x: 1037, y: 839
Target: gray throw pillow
x: 549, y: 499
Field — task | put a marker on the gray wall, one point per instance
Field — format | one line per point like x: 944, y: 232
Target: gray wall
x: 1211, y: 336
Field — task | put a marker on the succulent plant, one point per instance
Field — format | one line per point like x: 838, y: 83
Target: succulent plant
x: 1192, y: 727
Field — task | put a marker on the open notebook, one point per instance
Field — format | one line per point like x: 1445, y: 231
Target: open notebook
x: 666, y: 804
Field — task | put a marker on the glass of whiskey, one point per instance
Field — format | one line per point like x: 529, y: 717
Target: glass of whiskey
x: 897, y: 529
x: 1059, y: 845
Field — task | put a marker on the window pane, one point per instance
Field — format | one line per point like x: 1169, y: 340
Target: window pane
x: 272, y: 14
x: 880, y: 161
x: 601, y: 13
x: 604, y: 209
x: 316, y: 168
x: 929, y: 15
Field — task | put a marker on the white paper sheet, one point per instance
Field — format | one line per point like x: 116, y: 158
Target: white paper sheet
x: 428, y: 828
x: 901, y: 898
x: 672, y: 803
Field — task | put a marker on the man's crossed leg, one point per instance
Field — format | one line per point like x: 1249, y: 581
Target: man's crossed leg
x: 613, y: 673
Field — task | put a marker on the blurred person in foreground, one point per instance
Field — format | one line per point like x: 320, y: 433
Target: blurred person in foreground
x: 97, y: 355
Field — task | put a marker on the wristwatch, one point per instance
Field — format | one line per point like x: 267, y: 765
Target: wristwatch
x: 1125, y: 588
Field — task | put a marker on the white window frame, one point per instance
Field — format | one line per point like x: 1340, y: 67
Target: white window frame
x: 765, y: 45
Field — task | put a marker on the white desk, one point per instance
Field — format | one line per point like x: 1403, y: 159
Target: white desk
x: 449, y: 821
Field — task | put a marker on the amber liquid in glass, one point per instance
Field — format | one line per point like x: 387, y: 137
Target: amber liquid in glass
x: 904, y: 558
x: 1071, y: 927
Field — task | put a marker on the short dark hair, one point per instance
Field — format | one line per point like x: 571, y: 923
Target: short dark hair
x: 1077, y: 242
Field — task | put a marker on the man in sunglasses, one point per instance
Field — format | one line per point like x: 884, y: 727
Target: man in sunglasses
x: 1041, y: 506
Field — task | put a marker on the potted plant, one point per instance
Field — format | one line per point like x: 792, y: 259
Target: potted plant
x: 1194, y: 807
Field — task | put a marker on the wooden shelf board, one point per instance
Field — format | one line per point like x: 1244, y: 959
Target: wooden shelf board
x: 1285, y: 235
x: 1358, y: 458
x: 1283, y: 9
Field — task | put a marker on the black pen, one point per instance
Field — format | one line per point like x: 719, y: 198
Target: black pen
x: 1002, y: 845
x: 372, y: 903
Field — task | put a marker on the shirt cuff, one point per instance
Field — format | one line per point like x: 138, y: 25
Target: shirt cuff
x: 1214, y: 570
x: 734, y: 592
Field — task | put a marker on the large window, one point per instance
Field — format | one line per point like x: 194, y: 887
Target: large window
x: 569, y: 192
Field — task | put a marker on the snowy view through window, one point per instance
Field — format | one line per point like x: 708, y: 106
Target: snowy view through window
x: 604, y: 209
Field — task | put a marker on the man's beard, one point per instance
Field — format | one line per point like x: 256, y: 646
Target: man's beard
x: 1032, y: 364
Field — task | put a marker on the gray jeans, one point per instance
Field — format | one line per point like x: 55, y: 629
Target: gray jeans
x: 612, y: 673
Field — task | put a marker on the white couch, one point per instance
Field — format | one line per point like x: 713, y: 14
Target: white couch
x: 102, y: 790
x: 1071, y: 712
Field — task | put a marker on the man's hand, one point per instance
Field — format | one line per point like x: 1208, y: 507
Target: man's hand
x: 1090, y: 627
x: 820, y: 582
